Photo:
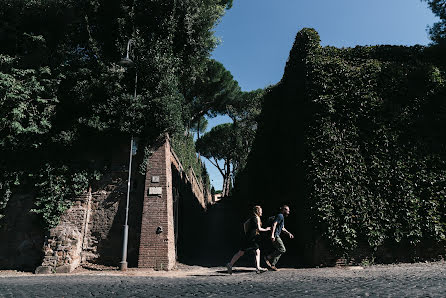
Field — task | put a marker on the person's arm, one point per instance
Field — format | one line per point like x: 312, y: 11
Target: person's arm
x: 260, y: 229
x: 273, y: 238
x: 289, y: 234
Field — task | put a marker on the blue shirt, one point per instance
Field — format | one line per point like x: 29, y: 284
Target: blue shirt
x: 280, y: 220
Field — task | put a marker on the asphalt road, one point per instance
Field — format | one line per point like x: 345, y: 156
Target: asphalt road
x: 407, y: 280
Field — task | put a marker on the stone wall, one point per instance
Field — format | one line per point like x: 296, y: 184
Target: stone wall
x: 91, y: 230
x: 64, y: 245
x: 108, y: 218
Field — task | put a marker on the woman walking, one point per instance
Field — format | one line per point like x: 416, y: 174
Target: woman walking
x: 253, y: 227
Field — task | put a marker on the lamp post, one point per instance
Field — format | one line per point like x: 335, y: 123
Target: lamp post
x: 127, y: 62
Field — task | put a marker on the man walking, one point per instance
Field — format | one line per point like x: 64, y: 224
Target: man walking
x: 279, y: 248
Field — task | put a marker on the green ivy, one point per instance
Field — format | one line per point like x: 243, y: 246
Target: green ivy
x: 184, y: 147
x: 61, y: 89
x: 359, y: 135
x: 373, y: 172
x: 7, y: 182
x: 56, y: 189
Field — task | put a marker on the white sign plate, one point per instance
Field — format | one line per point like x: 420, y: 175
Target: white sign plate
x: 155, y: 190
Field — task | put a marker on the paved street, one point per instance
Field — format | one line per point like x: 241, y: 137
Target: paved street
x: 422, y: 279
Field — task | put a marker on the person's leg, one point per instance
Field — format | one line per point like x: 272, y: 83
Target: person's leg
x: 237, y: 256
x: 279, y: 249
x: 258, y: 268
x: 257, y: 258
x: 233, y: 260
x: 273, y: 254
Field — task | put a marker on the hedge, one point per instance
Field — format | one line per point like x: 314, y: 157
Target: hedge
x: 358, y: 147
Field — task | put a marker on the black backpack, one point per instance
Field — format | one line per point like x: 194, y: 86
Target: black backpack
x: 270, y: 220
x: 247, y: 225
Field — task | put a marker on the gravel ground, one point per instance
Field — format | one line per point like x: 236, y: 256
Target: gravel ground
x: 403, y: 280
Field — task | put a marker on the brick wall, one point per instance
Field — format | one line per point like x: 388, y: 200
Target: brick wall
x: 157, y: 247
x: 157, y: 243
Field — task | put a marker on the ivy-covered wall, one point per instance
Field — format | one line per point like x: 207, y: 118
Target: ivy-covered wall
x: 184, y: 148
x: 353, y: 140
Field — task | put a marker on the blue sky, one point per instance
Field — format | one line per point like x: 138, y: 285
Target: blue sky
x: 257, y: 35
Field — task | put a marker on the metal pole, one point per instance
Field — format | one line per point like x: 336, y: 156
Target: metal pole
x: 123, y: 263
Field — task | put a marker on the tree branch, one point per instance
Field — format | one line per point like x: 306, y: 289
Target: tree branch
x: 215, y: 164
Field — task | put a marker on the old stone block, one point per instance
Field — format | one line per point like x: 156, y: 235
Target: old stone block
x: 50, y: 258
x: 68, y: 260
x: 59, y: 233
x: 64, y: 269
x: 49, y: 264
x: 43, y: 270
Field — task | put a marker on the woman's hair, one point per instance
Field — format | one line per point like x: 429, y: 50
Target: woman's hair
x: 256, y: 212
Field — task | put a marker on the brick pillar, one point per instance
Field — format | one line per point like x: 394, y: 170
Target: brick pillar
x: 157, y: 248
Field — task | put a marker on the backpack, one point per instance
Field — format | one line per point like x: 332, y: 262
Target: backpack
x: 270, y: 221
x: 247, y: 225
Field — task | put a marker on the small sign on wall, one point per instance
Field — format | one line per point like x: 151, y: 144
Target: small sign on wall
x: 153, y: 191
x: 155, y: 179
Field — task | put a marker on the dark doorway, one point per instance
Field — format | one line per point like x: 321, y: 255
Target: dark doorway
x: 175, y: 205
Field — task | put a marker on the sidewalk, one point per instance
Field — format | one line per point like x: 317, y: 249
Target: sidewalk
x: 182, y: 270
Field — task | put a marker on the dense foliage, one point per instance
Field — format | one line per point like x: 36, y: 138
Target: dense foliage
x: 184, y: 147
x: 213, y: 92
x: 438, y: 30
x: 353, y: 140
x: 200, y: 126
x: 55, y: 188
x: 61, y: 87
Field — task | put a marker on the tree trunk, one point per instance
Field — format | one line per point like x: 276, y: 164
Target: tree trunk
x: 198, y: 128
x: 223, y: 190
x: 198, y: 134
x: 227, y: 179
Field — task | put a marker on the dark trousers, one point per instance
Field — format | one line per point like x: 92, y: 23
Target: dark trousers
x: 279, y: 249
